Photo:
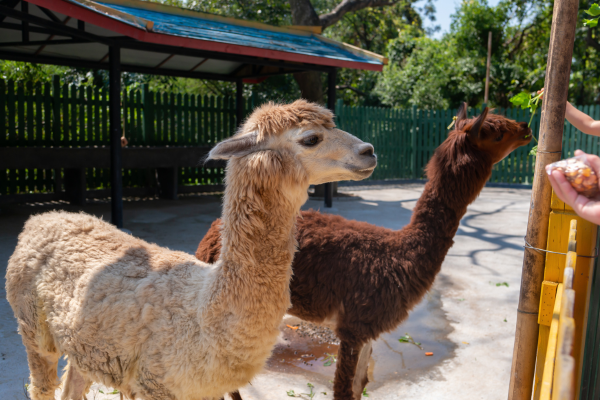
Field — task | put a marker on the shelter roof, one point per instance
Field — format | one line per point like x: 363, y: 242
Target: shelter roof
x: 155, y: 38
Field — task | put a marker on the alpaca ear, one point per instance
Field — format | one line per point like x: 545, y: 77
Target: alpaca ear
x: 462, y: 113
x: 237, y: 146
x: 476, y: 127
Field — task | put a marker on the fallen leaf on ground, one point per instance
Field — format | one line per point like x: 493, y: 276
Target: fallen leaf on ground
x: 465, y: 342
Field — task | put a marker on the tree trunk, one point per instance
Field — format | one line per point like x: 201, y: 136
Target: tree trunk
x: 311, y: 87
x: 303, y: 13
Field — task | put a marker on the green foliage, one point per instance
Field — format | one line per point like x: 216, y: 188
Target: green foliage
x: 370, y: 29
x: 525, y: 101
x: 432, y: 76
x: 594, y: 11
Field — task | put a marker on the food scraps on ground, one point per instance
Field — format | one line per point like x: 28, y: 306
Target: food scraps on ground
x: 292, y: 327
x: 429, y: 353
x: 408, y: 339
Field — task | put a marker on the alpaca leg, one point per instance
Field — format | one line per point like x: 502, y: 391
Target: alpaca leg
x: 44, y: 376
x: 74, y: 385
x: 361, y: 378
x: 345, y: 371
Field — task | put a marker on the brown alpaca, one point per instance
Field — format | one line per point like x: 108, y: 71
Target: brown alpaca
x: 364, y: 279
x: 159, y: 324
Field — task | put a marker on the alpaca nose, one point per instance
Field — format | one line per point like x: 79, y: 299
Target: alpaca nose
x: 366, y: 150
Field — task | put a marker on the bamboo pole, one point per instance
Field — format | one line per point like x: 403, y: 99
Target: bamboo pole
x: 562, y: 37
x: 487, y: 69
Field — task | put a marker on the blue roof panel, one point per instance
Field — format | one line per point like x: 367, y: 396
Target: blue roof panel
x: 216, y: 31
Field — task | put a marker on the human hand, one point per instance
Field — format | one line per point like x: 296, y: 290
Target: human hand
x: 124, y: 141
x: 541, y: 91
x: 588, y: 209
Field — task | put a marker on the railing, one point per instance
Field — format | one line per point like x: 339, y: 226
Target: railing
x: 558, y: 374
x: 55, y: 115
x: 567, y: 298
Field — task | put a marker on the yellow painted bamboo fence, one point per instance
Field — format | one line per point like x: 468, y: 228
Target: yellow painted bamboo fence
x: 564, y: 304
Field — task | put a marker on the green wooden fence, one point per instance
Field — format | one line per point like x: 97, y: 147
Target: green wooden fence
x: 68, y: 116
x: 55, y: 114
x: 405, y: 140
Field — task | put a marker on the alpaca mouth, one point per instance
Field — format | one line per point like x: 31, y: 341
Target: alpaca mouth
x: 364, y: 173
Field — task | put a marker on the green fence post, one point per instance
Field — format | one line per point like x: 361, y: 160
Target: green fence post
x: 147, y: 115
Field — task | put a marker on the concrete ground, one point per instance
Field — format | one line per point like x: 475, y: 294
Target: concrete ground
x: 467, y: 320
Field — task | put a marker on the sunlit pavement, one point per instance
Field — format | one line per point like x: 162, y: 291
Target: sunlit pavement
x: 467, y: 320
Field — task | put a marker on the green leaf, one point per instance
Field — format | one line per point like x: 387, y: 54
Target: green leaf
x: 591, y: 22
x: 594, y: 10
x: 533, y: 151
x: 365, y: 392
x: 291, y: 393
x: 502, y: 284
x: 522, y: 100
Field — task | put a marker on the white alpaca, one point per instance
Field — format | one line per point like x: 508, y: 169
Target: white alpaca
x: 159, y: 324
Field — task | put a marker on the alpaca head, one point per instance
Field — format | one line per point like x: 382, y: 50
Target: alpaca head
x: 463, y: 162
x: 304, y: 137
x: 495, y: 135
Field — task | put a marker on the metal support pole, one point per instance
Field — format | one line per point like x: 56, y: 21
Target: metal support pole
x: 331, y: 80
x: 239, y: 102
x: 116, y: 174
x: 562, y: 38
x: 487, y: 69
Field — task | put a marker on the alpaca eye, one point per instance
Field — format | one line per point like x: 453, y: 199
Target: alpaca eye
x: 311, y: 141
x: 499, y: 138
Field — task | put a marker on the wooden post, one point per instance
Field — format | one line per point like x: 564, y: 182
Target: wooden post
x: 331, y: 80
x: 116, y: 162
x: 562, y: 38
x: 487, y: 69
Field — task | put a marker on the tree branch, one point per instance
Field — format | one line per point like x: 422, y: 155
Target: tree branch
x: 520, y: 42
x: 358, y: 92
x: 347, y: 6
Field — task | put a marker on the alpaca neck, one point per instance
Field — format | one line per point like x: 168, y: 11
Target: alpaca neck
x: 259, y: 215
x: 453, y: 185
